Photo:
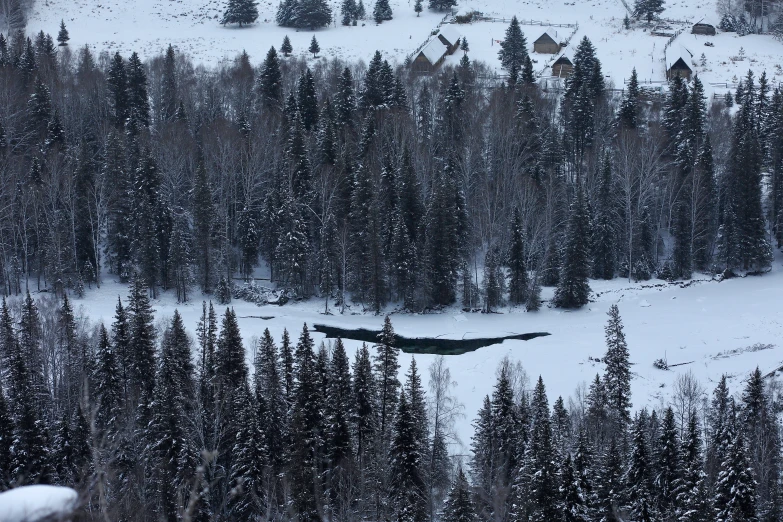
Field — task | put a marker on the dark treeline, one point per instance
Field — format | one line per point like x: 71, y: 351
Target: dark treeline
x: 369, y: 186
x: 150, y: 424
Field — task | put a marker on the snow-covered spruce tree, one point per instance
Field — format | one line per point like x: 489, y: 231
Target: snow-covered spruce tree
x: 735, y: 490
x: 617, y: 380
x: 540, y: 461
x: 518, y: 281
x: 306, y: 422
x: 742, y: 236
x: 348, y: 11
x: 459, y: 505
x: 108, y: 387
x: 573, y: 289
x: 312, y: 14
x: 604, y: 232
x: 692, y: 503
x: 382, y: 11
x: 286, y: 48
x: 62, y: 36
x: 441, y: 5
x: 572, y: 502
x: 386, y: 367
x: 668, y: 467
x: 418, y: 8
x: 341, y: 475
x: 648, y: 9
x: 141, y: 344
x: 513, y: 49
x: 314, y: 47
x: 638, y: 488
x: 629, y: 107
x: 173, y: 450
x: 6, y: 439
x: 407, y: 481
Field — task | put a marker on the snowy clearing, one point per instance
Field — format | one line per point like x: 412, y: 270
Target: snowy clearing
x: 192, y: 26
x: 706, y: 327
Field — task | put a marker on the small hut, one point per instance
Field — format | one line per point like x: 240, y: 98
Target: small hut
x: 430, y: 56
x: 547, y: 43
x: 450, y: 36
x: 562, y: 68
x: 677, y: 63
x: 705, y: 29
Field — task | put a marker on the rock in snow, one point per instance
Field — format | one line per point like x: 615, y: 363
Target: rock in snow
x: 36, y: 503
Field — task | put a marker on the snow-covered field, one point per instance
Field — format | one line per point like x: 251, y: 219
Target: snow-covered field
x: 192, y: 26
x: 712, y: 327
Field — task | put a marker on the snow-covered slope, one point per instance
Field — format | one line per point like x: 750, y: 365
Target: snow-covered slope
x: 708, y: 327
x: 149, y: 26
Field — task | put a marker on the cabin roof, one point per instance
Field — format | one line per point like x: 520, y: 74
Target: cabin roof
x: 678, y: 57
x: 434, y: 50
x: 450, y: 33
x: 563, y: 60
x: 548, y: 36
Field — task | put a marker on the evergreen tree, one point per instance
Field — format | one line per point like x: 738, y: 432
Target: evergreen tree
x: 348, y: 10
x: 513, y: 49
x: 240, y: 12
x: 459, y: 505
x: 629, y: 108
x: 286, y: 48
x: 735, y: 490
x: 270, y: 88
x: 6, y: 441
x: 314, y: 47
x: 669, y: 467
x: 307, y: 102
x: 62, y: 36
x: 691, y: 488
x: 610, y: 484
x: 172, y: 448
x: 386, y: 367
x: 138, y: 99
x: 417, y: 7
x: 518, y: 280
x: 109, y: 383
x: 573, y: 289
x: 648, y: 9
x: 638, y: 477
x: 306, y: 420
x: 382, y: 11
x: 604, y: 229
x: 117, y: 87
x: 618, y: 372
x: 410, y: 503
x: 540, y: 460
x: 203, y: 224
x: 141, y: 345
x: 339, y: 412
x: 573, y: 504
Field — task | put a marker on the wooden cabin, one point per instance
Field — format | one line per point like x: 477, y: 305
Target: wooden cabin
x: 450, y: 36
x: 430, y: 57
x: 562, y: 68
x: 705, y: 29
x: 547, y: 43
x: 678, y: 63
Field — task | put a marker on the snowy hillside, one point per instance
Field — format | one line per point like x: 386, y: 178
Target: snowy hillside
x: 192, y: 26
x: 705, y: 327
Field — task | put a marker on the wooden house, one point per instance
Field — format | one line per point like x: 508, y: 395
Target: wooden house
x: 705, y: 29
x: 430, y: 56
x: 562, y: 68
x: 547, y: 43
x: 678, y: 63
x: 450, y: 36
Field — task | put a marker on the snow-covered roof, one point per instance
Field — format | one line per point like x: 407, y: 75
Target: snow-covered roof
x: 548, y: 34
x: 450, y: 33
x: 434, y: 50
x: 563, y: 60
x: 678, y: 52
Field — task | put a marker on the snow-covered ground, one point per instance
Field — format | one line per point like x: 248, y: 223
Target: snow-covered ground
x: 192, y: 26
x: 35, y: 503
x: 709, y: 327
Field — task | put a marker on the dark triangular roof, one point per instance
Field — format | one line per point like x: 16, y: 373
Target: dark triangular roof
x: 563, y: 60
x: 545, y: 38
x: 680, y: 64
